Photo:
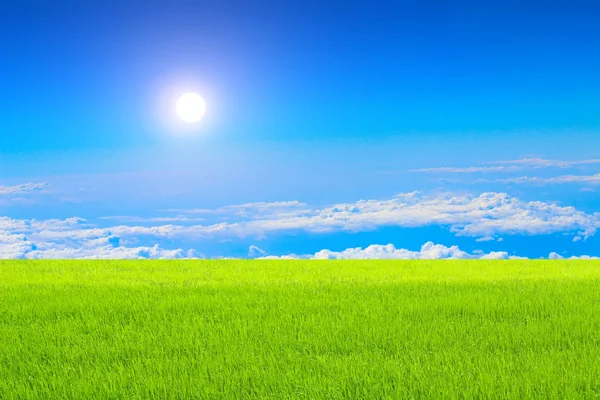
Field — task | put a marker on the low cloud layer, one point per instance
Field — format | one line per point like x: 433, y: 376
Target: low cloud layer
x: 484, y: 217
x: 429, y: 251
x: 556, y: 256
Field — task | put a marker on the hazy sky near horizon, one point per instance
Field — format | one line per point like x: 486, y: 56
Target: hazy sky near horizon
x: 329, y: 126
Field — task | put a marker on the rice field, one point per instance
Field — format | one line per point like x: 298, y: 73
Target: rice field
x: 296, y: 329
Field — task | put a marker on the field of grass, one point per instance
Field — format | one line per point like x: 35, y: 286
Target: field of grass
x: 299, y: 329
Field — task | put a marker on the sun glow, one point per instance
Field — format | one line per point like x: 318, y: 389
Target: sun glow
x: 191, y: 107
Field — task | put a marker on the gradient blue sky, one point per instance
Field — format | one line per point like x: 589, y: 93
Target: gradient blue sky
x: 316, y: 102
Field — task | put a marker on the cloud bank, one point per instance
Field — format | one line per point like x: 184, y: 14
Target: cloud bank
x: 429, y: 251
x: 482, y: 217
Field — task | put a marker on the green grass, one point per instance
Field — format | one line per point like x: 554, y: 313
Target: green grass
x: 299, y: 329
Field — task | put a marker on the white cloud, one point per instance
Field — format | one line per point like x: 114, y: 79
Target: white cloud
x: 483, y: 216
x: 72, y: 238
x: 429, y: 251
x: 556, y: 256
x: 110, y: 252
x: 15, y: 249
x: 255, y: 251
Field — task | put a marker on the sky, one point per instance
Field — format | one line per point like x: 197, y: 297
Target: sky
x: 407, y: 129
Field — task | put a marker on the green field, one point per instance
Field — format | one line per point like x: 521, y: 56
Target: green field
x: 299, y: 329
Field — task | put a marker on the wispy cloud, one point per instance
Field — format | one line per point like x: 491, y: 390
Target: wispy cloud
x: 533, y: 180
x: 23, y: 188
x: 247, y: 209
x: 544, y: 163
x: 255, y: 252
x: 468, y: 169
x: 511, y: 166
x: 136, y: 219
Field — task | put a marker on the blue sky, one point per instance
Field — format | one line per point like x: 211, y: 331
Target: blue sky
x: 488, y: 111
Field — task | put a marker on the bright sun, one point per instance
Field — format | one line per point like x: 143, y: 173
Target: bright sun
x: 191, y: 107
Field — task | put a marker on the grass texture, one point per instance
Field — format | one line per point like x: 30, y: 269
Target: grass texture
x: 299, y: 329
